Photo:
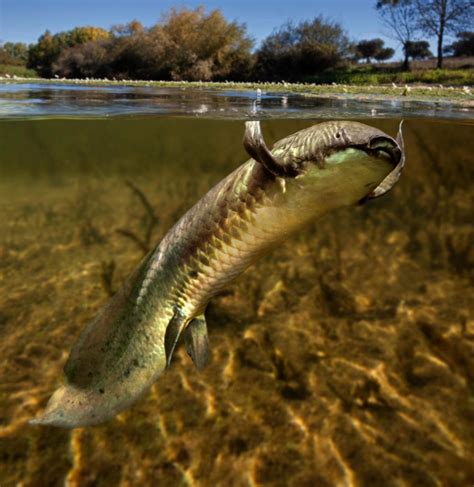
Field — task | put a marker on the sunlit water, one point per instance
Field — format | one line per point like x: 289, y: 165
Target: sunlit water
x: 346, y: 357
x: 47, y: 100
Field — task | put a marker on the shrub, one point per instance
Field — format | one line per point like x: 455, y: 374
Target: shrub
x: 295, y: 51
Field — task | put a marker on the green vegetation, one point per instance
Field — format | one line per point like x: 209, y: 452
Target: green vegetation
x: 13, y: 53
x: 15, y: 70
x: 418, y: 49
x: 294, y: 51
x: 13, y: 57
x: 464, y: 46
x: 45, y: 53
x: 373, y: 76
x: 369, y: 49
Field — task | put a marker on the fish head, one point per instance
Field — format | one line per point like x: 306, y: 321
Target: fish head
x: 342, y: 163
x: 370, y: 158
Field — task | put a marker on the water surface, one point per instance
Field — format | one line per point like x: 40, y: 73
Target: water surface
x: 74, y: 100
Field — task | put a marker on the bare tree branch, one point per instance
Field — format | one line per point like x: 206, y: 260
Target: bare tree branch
x: 440, y: 17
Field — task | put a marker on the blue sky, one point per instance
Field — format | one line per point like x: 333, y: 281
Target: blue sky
x: 26, y: 20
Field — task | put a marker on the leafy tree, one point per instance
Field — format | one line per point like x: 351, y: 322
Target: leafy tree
x: 464, y: 46
x: 46, y: 51
x: 5, y: 58
x: 82, y: 60
x: 373, y: 48
x: 441, y: 17
x: 295, y: 51
x: 134, y: 53
x: 42, y: 54
x: 401, y: 20
x: 384, y: 54
x: 81, y: 35
x: 203, y: 47
x: 368, y: 48
x: 14, y: 53
x: 418, y: 49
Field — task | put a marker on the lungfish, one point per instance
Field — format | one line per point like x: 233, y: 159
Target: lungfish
x: 260, y: 204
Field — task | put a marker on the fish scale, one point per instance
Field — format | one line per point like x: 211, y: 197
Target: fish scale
x: 233, y: 236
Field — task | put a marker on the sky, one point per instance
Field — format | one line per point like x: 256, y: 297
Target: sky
x: 26, y: 20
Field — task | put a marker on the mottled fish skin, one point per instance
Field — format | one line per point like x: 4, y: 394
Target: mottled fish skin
x: 263, y: 202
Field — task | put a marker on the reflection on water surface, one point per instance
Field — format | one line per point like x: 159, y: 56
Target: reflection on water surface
x: 46, y: 100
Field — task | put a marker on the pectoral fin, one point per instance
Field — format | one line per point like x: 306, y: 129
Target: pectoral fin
x: 197, y: 341
x: 173, y: 332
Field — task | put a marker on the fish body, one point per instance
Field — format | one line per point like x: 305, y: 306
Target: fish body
x: 269, y: 198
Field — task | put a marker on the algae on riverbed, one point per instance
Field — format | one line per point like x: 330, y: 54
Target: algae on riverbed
x: 345, y: 357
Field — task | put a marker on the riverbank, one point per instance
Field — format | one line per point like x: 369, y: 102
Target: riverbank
x: 367, y: 75
x: 16, y: 70
x: 460, y: 95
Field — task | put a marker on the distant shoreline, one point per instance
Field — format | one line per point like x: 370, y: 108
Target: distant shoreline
x: 452, y: 94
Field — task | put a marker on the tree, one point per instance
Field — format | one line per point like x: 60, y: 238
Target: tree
x: 132, y: 28
x: 203, y: 47
x: 5, y: 58
x: 439, y: 18
x: 368, y: 48
x: 464, y: 46
x: 384, y: 54
x: 373, y: 48
x: 401, y: 20
x: 418, y: 49
x: 134, y: 53
x: 15, y: 52
x: 42, y: 54
x: 82, y: 60
x: 45, y: 52
x: 295, y: 51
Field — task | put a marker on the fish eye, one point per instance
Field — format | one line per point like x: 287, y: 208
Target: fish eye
x: 338, y: 135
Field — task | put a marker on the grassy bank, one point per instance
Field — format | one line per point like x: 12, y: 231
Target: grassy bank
x: 452, y: 77
x: 16, y: 70
x: 457, y: 71
x: 447, y: 94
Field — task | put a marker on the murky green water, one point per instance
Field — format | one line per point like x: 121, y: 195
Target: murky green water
x: 346, y: 357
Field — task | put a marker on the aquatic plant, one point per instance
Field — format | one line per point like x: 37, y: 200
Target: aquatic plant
x: 149, y: 221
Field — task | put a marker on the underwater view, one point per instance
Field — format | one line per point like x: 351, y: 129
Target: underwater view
x: 343, y: 357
